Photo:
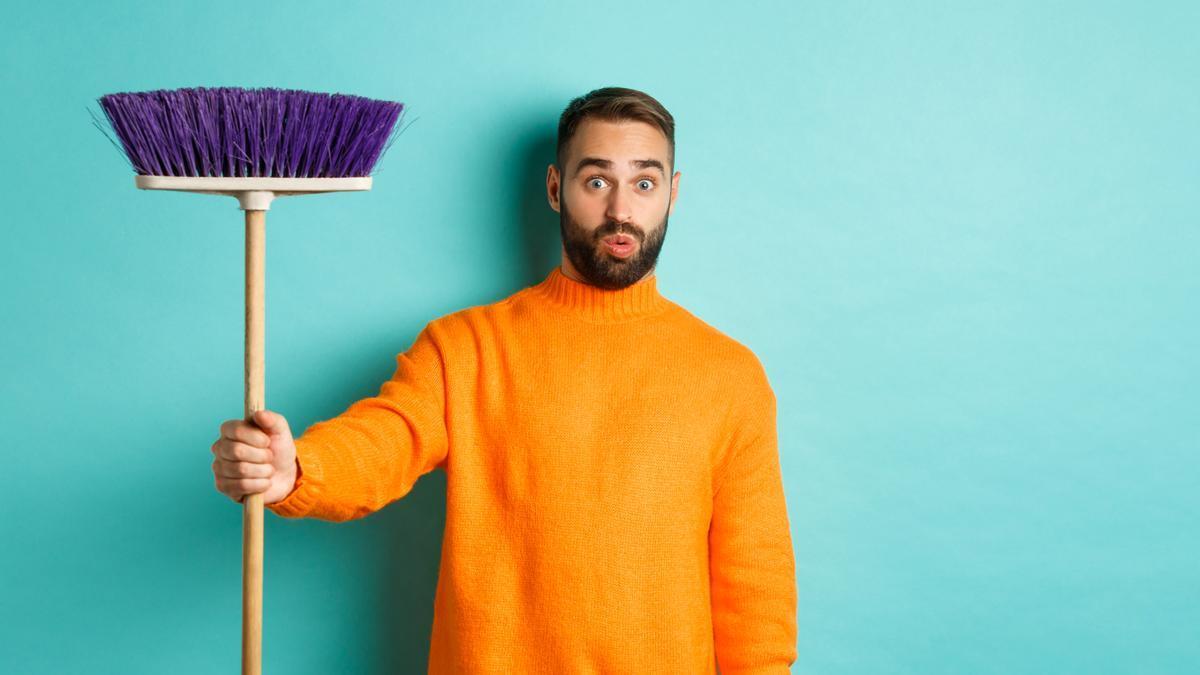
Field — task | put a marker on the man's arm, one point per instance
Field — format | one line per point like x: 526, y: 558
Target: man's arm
x: 373, y: 453
x: 751, y: 563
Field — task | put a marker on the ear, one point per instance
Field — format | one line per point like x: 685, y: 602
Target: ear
x: 552, y: 186
x: 674, y: 192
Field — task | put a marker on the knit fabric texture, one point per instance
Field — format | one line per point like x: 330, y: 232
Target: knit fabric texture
x: 614, y: 500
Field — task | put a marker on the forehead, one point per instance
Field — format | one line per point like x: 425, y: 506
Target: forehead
x: 618, y: 140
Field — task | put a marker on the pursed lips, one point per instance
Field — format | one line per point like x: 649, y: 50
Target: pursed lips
x: 620, y: 245
x: 619, y: 239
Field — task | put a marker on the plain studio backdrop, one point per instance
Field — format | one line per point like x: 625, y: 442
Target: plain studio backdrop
x: 962, y: 238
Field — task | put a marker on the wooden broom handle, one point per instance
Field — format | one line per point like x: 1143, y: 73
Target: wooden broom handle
x: 252, y: 515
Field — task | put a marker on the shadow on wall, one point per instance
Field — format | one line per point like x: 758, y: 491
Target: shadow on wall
x: 411, y: 532
x: 411, y: 529
x: 534, y: 222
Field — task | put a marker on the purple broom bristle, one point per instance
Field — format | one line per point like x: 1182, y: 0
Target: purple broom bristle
x: 266, y: 132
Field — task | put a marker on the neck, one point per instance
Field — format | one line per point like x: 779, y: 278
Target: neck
x: 601, y: 305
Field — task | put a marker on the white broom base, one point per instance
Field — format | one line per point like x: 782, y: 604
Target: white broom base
x: 253, y: 193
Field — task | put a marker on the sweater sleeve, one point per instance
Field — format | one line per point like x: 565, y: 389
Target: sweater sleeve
x: 372, y: 454
x: 751, y: 563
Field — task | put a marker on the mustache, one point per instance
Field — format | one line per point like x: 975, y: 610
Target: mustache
x: 611, y: 227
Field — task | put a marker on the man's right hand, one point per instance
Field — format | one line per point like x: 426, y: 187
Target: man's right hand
x: 255, y: 457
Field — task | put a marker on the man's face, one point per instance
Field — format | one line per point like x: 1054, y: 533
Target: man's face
x: 613, y: 197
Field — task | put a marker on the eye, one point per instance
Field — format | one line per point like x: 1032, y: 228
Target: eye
x: 649, y: 184
x: 595, y: 179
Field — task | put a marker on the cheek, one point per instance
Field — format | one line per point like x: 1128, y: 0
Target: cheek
x: 584, y: 205
x: 649, y: 211
x: 655, y: 205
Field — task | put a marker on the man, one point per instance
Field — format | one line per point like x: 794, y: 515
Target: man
x: 614, y: 498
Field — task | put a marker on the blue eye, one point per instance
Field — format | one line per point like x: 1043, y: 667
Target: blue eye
x: 593, y: 180
x: 649, y: 182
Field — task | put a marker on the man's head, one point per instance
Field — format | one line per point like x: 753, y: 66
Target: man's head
x: 612, y: 185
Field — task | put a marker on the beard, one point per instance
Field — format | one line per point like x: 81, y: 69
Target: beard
x: 587, y: 253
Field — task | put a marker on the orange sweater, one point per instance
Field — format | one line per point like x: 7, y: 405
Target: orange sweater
x: 614, y: 501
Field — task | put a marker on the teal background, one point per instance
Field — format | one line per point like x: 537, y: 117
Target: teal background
x: 962, y: 238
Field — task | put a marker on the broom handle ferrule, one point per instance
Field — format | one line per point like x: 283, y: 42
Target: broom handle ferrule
x: 254, y: 200
x: 252, y: 520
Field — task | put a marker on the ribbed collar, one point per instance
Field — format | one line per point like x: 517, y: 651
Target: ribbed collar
x: 600, y: 305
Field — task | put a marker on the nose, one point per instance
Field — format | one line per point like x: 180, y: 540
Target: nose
x: 619, y: 205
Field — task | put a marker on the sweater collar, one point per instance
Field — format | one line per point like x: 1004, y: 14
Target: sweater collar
x: 600, y: 305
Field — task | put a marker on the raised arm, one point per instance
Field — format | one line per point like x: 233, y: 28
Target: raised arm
x: 372, y: 454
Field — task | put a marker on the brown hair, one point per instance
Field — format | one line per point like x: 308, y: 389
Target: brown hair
x: 614, y: 104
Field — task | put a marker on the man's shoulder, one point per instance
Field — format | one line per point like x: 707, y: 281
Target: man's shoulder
x: 723, y: 356
x: 471, y: 316
x: 715, y: 340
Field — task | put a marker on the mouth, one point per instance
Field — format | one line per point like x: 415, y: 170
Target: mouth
x: 620, y: 245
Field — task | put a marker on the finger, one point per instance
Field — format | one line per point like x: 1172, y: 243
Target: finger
x: 240, y: 487
x: 254, y: 485
x: 233, y: 451
x: 224, y: 469
x: 243, y: 470
x: 240, y: 430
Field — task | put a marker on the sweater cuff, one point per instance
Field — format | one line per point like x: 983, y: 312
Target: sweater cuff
x: 300, y: 501
x: 763, y: 670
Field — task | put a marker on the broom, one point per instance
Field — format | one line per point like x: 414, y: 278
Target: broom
x: 255, y: 145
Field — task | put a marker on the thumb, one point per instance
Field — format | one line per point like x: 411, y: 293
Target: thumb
x: 271, y: 422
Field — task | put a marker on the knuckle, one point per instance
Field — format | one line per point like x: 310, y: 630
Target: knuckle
x: 245, y: 453
x: 250, y: 470
x: 256, y: 455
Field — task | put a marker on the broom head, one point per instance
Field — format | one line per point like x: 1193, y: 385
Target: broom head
x: 232, y: 140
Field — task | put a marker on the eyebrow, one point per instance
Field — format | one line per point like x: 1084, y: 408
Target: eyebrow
x: 607, y: 164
